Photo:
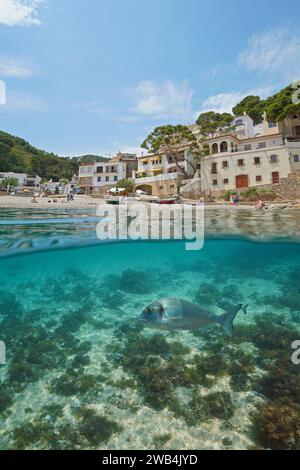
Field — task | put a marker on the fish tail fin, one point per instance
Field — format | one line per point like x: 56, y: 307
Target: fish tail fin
x: 244, y: 308
x: 228, y: 318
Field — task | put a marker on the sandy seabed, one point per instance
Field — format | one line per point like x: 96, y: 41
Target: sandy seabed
x: 18, y: 202
x: 84, y: 297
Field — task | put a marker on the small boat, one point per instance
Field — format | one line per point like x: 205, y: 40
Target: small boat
x: 115, y: 201
x: 168, y: 200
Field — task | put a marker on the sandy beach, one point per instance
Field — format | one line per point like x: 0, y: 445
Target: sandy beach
x: 85, y: 201
x: 17, y: 202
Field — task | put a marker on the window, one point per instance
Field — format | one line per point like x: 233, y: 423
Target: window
x: 241, y: 162
x: 99, y: 179
x: 224, y: 146
x: 296, y: 159
x: 161, y: 187
x: 225, y: 164
x: 247, y: 147
x: 115, y: 178
x: 297, y: 130
x: 239, y: 122
x: 262, y: 145
x: 215, y: 182
x: 215, y: 148
x: 273, y: 158
x: 258, y: 178
x: 99, y: 169
x: 198, y: 166
x: 172, y: 186
x: 214, y: 169
x: 106, y: 178
x: 256, y: 160
x: 272, y: 124
x: 225, y: 181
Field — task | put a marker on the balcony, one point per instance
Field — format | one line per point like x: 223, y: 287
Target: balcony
x: 30, y: 183
x: 85, y: 182
x: 153, y: 179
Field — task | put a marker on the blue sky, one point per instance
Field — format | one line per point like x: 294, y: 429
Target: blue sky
x: 96, y: 76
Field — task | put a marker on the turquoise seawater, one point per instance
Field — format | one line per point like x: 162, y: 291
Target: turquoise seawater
x: 82, y: 372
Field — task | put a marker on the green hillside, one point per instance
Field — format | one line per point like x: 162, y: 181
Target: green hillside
x: 19, y: 156
x: 91, y: 159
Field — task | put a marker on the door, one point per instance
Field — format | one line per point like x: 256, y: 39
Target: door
x: 241, y: 181
x: 275, y: 177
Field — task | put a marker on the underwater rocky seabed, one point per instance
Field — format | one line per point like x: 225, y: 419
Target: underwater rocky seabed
x: 83, y: 373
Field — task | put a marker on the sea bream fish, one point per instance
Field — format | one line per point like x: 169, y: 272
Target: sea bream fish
x: 177, y: 314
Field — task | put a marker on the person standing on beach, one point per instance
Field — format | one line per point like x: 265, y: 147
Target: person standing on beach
x: 235, y: 200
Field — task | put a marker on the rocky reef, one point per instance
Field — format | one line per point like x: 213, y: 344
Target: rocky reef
x: 83, y: 373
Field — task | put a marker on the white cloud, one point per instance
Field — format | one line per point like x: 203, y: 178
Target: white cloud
x: 221, y: 103
x: 14, y: 67
x: 19, y: 12
x: 224, y: 102
x: 19, y: 101
x: 273, y: 51
x: 169, y: 100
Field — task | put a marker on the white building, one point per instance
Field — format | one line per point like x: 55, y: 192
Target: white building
x: 94, y: 177
x: 24, y: 181
x: 161, y: 175
x: 244, y: 126
x: 236, y: 163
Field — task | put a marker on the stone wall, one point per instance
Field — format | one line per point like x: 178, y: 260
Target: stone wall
x: 192, y: 189
x: 288, y: 189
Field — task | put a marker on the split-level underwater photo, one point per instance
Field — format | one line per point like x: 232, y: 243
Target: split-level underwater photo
x: 149, y: 230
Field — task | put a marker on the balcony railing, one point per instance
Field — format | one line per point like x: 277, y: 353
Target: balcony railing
x: 162, y: 177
